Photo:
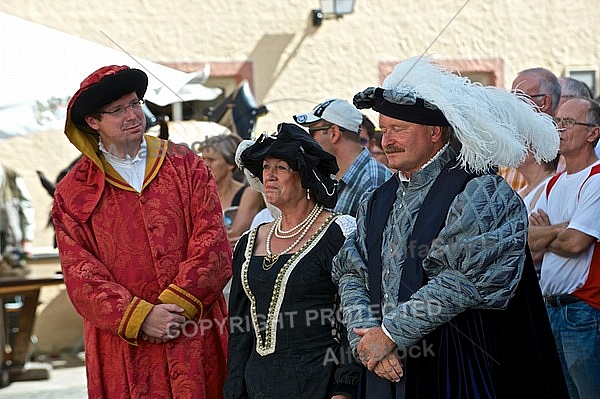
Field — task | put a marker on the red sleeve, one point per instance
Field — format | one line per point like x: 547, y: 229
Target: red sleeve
x: 95, y: 294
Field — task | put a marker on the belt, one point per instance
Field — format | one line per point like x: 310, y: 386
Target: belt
x: 561, y: 300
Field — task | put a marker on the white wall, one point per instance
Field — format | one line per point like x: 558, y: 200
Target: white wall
x: 297, y: 65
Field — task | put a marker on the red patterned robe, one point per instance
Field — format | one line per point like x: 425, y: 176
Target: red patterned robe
x: 122, y: 252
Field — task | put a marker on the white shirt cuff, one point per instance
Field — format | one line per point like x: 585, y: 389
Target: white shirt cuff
x: 386, y: 332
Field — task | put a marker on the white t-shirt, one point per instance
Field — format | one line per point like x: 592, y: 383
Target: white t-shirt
x: 535, y: 194
x: 578, y: 203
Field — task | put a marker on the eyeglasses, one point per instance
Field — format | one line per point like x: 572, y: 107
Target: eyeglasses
x: 570, y: 122
x: 120, y: 111
x: 312, y: 130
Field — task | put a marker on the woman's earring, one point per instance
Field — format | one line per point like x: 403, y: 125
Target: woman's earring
x: 307, y: 194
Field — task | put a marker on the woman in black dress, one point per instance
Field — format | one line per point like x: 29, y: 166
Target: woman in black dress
x: 286, y: 339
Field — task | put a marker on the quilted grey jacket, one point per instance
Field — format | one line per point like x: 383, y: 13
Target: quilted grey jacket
x: 475, y: 262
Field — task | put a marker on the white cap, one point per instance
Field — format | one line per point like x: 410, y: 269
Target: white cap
x: 336, y: 111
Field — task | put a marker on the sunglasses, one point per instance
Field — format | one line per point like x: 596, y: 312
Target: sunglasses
x: 312, y: 130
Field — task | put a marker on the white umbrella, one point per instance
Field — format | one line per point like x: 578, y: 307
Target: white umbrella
x: 192, y: 134
x: 42, y: 67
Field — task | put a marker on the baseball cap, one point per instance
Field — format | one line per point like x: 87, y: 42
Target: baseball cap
x: 334, y: 110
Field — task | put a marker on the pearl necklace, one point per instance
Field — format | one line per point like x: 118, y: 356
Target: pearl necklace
x: 267, y: 345
x: 294, y: 231
x: 271, y: 258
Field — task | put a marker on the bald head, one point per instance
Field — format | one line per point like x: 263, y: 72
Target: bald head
x: 570, y: 88
x: 543, y: 87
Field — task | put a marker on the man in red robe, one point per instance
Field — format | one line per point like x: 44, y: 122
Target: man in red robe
x: 143, y: 249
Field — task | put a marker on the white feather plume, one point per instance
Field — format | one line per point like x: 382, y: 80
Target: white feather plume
x: 494, y: 126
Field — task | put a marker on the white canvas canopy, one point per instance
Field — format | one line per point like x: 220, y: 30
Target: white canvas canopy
x: 42, y: 67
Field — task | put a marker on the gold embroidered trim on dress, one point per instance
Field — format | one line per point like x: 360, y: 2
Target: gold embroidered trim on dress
x: 267, y: 346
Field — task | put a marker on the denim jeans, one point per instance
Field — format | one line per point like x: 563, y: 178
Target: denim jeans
x: 576, y: 329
